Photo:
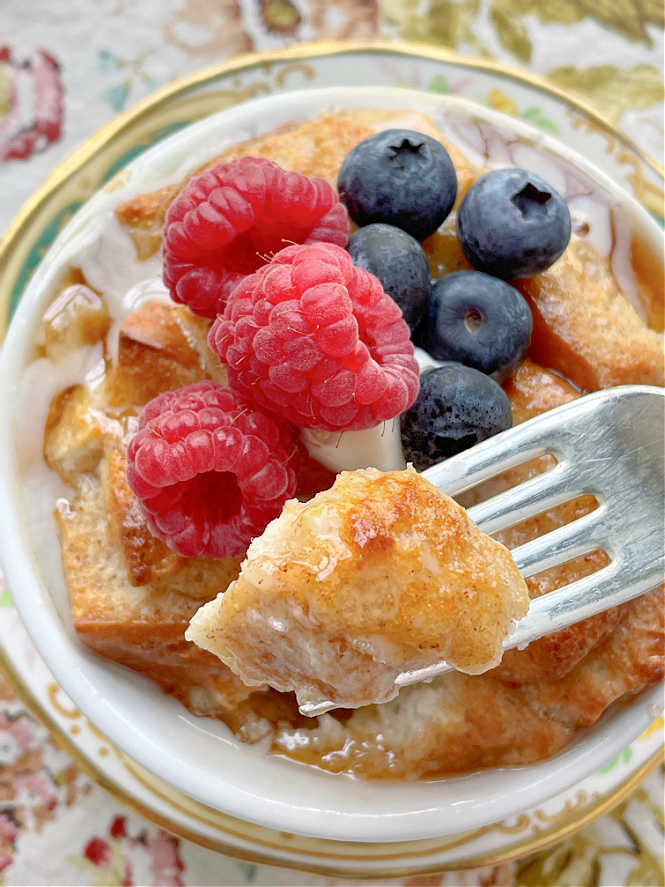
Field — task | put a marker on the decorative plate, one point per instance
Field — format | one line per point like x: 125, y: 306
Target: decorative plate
x: 23, y: 247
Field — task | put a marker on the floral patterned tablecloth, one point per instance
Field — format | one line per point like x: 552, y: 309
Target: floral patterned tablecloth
x: 67, y: 67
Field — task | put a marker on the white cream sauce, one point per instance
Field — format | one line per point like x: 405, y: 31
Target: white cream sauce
x: 107, y: 257
x: 378, y: 447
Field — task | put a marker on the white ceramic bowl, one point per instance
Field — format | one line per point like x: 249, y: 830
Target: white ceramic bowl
x: 200, y: 756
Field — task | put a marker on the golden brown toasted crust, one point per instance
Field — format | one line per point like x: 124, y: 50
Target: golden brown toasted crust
x: 532, y: 389
x: 72, y: 437
x: 632, y: 657
x: 154, y: 355
x: 195, y: 330
x: 149, y: 560
x: 313, y: 148
x: 380, y: 574
x: 555, y: 655
x: 76, y: 317
x: 143, y: 216
x: 146, y: 557
x: 584, y: 328
x: 141, y: 627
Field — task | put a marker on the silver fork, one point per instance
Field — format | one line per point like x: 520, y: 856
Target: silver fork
x: 611, y: 444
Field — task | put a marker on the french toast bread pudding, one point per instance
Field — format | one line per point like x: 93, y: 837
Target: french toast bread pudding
x: 238, y: 576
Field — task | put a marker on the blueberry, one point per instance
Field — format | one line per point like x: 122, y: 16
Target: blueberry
x: 478, y: 320
x: 511, y: 224
x: 400, y: 177
x: 457, y: 407
x: 400, y: 264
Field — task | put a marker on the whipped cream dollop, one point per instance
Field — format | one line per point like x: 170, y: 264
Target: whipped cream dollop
x: 378, y: 447
x: 425, y: 361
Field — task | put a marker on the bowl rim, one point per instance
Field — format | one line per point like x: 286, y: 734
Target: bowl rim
x: 366, y: 826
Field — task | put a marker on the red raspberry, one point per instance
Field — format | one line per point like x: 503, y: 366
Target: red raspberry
x: 314, y: 338
x: 209, y: 471
x: 232, y: 218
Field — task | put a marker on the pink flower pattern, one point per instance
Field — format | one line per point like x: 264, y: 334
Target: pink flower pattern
x: 35, y: 97
x: 118, y: 852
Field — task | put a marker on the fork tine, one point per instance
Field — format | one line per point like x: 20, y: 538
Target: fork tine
x: 526, y: 499
x: 550, y: 432
x: 607, y: 588
x: 499, y: 453
x: 560, y: 545
x: 484, y: 460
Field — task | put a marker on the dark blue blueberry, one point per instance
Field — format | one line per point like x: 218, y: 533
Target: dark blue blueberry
x: 457, y: 407
x: 511, y: 224
x: 399, y: 177
x: 478, y: 320
x: 400, y: 264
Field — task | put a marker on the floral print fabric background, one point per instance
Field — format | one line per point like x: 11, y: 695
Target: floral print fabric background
x: 66, y: 68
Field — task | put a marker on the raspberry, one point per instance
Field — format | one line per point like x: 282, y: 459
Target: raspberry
x: 315, y: 339
x: 209, y: 471
x: 231, y: 219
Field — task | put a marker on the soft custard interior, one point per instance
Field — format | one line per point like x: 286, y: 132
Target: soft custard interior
x: 132, y: 598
